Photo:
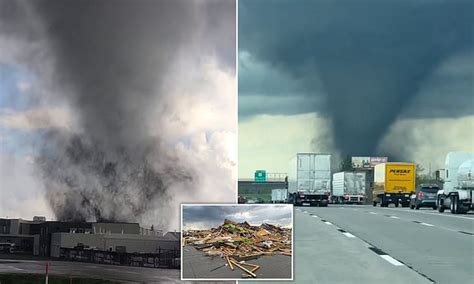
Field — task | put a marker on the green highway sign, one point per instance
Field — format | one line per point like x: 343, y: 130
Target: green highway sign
x: 260, y: 176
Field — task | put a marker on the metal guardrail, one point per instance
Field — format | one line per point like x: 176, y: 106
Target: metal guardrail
x: 165, y: 258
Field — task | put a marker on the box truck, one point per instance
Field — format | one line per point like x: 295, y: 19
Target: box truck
x: 458, y: 183
x: 349, y: 187
x: 279, y: 195
x: 393, y: 183
x: 309, y: 179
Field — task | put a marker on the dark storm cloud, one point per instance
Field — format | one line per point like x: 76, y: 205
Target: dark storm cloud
x: 214, y: 215
x: 110, y: 61
x: 371, y: 57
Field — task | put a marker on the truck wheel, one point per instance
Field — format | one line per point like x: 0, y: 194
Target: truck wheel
x: 374, y: 203
x: 440, y: 205
x: 453, y: 206
x: 456, y: 204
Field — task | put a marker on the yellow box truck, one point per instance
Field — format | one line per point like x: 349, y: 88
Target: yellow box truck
x: 393, y: 183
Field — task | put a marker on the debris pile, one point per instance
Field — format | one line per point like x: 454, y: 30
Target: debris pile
x: 237, y: 242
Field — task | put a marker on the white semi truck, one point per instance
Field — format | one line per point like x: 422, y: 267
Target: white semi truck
x: 458, y: 183
x: 309, y: 179
x: 349, y: 187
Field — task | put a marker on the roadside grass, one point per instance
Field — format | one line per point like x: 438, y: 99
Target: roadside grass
x: 21, y: 278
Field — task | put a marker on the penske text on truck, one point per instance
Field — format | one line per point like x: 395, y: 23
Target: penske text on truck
x: 393, y: 183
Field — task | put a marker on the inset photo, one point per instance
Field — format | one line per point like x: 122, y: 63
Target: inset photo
x: 237, y: 241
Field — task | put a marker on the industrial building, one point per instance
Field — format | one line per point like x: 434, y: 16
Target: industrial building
x: 128, y: 243
x: 23, y: 234
x: 46, y: 238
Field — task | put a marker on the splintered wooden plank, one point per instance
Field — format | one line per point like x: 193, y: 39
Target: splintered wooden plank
x: 255, y: 269
x: 230, y: 263
x: 244, y: 269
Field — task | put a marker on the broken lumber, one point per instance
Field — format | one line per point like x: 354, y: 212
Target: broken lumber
x: 244, y: 269
x: 230, y: 263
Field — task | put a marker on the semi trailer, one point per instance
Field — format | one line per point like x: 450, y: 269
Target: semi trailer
x: 349, y: 187
x: 279, y: 195
x: 309, y: 179
x: 393, y: 183
x: 458, y: 183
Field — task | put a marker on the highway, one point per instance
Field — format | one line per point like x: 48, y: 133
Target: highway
x: 347, y: 243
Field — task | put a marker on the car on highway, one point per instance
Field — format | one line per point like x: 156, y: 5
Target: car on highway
x: 424, y: 196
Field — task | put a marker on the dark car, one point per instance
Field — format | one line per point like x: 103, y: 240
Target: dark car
x: 425, y: 196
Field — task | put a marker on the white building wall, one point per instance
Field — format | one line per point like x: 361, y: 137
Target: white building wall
x: 131, y: 242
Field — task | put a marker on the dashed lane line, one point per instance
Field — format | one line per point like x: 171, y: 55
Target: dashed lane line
x: 326, y: 222
x: 433, y: 213
x: 391, y: 260
x: 385, y: 256
x: 349, y: 235
x: 381, y: 253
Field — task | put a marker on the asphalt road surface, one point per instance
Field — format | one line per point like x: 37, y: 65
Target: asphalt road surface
x: 196, y: 265
x: 383, y: 245
x: 364, y: 244
x: 123, y: 274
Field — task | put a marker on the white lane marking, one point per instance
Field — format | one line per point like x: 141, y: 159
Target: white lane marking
x: 314, y: 216
x: 329, y: 223
x: 305, y: 212
x: 373, y: 213
x: 349, y: 235
x: 426, y: 224
x: 391, y: 260
x: 394, y: 217
x: 433, y: 213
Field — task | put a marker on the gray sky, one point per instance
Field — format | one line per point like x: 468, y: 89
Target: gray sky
x: 205, y: 217
x: 358, y: 71
x: 118, y: 110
